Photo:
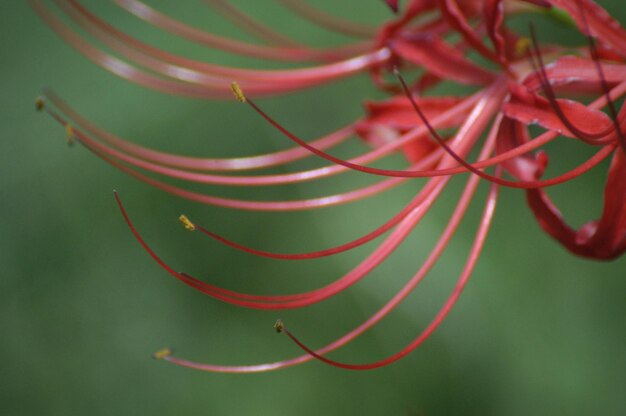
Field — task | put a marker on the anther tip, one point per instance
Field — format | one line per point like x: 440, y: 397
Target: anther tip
x: 238, y: 92
x: 70, y: 134
x: 40, y: 103
x: 162, y: 353
x: 522, y: 45
x: 279, y: 326
x: 187, y: 223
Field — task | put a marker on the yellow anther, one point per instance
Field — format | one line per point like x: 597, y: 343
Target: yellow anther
x: 186, y: 223
x: 70, y: 134
x: 521, y: 46
x: 162, y: 353
x: 39, y: 103
x: 279, y: 326
x: 238, y: 92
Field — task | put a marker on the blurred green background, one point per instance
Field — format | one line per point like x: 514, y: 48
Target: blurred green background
x: 538, y: 331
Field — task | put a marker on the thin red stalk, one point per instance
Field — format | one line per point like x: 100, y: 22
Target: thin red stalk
x: 301, y: 299
x: 96, y: 148
x: 419, y: 199
x: 293, y: 205
x: 489, y: 103
x: 443, y: 312
x: 119, y: 67
x: 198, y: 72
x: 382, y: 312
x: 275, y: 159
x: 465, y: 139
x: 584, y: 167
x: 195, y: 163
x: 228, y: 164
x: 217, y: 90
x: 358, y: 194
x: 163, y: 21
x: 416, y: 202
x: 431, y: 259
x: 414, y: 174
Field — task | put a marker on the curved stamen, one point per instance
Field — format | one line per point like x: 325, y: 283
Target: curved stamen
x: 396, y: 219
x: 413, y: 174
x: 587, y: 165
x: 483, y: 110
x: 301, y: 299
x: 358, y: 194
x: 253, y: 162
x: 250, y: 205
x: 267, y: 160
x: 163, y: 21
x: 443, y: 312
x: 264, y: 161
x: 465, y: 139
x: 206, y: 86
x: 398, y: 298
x: 204, y: 73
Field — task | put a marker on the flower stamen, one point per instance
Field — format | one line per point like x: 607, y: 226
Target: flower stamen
x: 162, y: 354
x: 238, y: 92
x: 187, y: 223
x: 70, y: 134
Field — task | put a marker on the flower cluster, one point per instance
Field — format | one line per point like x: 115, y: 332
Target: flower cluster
x: 517, y: 83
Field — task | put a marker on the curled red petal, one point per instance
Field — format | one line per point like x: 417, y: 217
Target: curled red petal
x: 602, y: 239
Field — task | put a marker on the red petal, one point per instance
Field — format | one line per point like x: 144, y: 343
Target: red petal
x: 399, y: 114
x: 571, y: 69
x: 389, y: 119
x: 539, y: 111
x: 441, y: 59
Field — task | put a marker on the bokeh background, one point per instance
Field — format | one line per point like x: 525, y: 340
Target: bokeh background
x: 82, y: 307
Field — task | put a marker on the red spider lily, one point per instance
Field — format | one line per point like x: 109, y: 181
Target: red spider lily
x: 520, y: 85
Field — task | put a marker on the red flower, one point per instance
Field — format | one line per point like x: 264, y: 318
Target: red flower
x: 522, y: 84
